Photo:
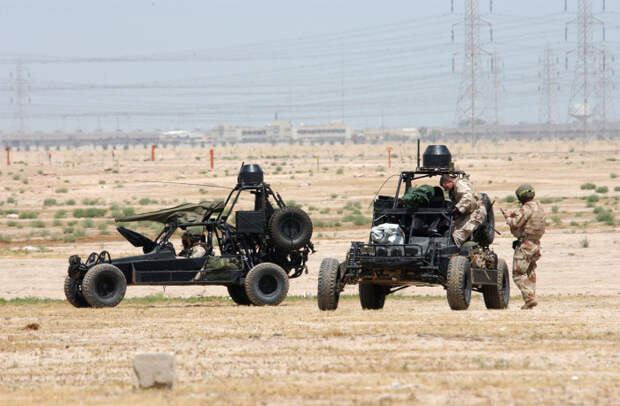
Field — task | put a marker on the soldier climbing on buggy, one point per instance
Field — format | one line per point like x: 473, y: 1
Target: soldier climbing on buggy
x: 416, y: 240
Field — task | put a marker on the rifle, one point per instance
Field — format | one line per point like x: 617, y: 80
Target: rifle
x: 512, y: 214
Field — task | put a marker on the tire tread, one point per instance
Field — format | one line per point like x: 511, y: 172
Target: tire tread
x: 328, y: 293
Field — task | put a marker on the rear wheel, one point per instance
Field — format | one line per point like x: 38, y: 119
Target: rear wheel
x: 238, y: 295
x: 73, y: 293
x: 266, y: 284
x: 328, y: 292
x: 459, y: 283
x: 104, y: 285
x: 498, y: 296
x: 372, y: 297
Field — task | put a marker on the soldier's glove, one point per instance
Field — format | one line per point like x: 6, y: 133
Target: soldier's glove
x: 455, y: 212
x: 515, y: 244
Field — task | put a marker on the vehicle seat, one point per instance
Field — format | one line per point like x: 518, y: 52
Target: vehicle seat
x: 438, y: 198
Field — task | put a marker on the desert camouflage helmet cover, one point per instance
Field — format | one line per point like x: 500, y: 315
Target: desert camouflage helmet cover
x: 524, y: 193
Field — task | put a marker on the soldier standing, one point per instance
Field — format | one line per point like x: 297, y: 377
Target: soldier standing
x: 528, y: 225
x: 468, y: 208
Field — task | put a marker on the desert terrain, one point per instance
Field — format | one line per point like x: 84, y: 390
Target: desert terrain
x: 414, y: 351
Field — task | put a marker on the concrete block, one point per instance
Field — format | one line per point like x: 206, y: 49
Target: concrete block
x: 154, y: 370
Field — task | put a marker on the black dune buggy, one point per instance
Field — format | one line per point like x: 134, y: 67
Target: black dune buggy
x: 258, y: 254
x: 427, y: 254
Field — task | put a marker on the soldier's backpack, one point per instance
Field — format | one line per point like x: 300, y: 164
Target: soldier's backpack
x: 419, y: 196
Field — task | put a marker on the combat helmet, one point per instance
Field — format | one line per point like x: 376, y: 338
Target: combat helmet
x: 525, y: 193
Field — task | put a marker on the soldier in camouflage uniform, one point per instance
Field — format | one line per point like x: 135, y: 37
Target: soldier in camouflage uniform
x: 468, y: 209
x: 193, y: 247
x: 528, y: 225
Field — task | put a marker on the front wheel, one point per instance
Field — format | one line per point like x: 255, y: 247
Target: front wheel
x: 328, y: 291
x: 104, y: 285
x: 266, y: 284
x: 459, y: 283
x: 498, y: 296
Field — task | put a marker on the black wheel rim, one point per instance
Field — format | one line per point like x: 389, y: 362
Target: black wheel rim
x: 268, y: 284
x: 290, y: 228
x: 105, y: 286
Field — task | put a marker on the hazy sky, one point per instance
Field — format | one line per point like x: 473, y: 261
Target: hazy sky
x: 191, y: 64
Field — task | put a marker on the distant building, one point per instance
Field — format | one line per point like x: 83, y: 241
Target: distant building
x: 385, y: 135
x: 334, y: 132
x: 223, y: 133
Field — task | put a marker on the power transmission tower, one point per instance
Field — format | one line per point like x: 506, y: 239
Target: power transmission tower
x: 548, y: 88
x: 497, y: 70
x: 472, y: 102
x: 605, y: 87
x: 21, y: 89
x: 581, y: 105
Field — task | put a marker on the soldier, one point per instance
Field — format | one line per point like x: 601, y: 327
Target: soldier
x: 528, y: 225
x: 468, y: 208
x: 192, y: 245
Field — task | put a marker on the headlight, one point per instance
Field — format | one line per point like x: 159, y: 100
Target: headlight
x: 367, y: 251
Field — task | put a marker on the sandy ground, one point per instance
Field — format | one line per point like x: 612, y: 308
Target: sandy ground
x: 415, y: 351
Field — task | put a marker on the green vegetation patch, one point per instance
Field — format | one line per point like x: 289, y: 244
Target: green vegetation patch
x: 50, y: 202
x: 602, y: 189
x: 89, y: 212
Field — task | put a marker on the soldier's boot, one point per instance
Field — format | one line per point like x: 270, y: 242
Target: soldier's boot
x: 529, y: 304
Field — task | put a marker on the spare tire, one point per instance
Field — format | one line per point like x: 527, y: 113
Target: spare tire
x: 290, y: 228
x: 266, y: 284
x: 104, y: 285
x: 485, y: 234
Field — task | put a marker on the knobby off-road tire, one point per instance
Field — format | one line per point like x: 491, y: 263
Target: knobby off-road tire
x: 328, y: 292
x: 266, y: 284
x: 104, y: 285
x: 372, y: 297
x: 290, y: 228
x: 498, y: 296
x: 485, y: 234
x: 238, y: 295
x: 73, y: 293
x: 459, y: 283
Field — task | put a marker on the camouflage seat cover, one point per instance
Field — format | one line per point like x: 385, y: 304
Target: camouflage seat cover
x: 215, y: 263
